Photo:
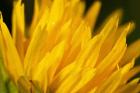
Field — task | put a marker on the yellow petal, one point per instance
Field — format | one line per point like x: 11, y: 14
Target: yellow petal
x: 35, y: 18
x: 92, y: 14
x: 128, y: 66
x: 132, y: 73
x: 111, y: 83
x: 62, y: 75
x: 68, y: 83
x: 77, y: 8
x: 47, y: 67
x: 86, y: 75
x: 132, y: 51
x: 115, y: 52
x: 35, y: 46
x: 109, y: 36
x: 119, y: 46
x: 56, y: 13
x: 18, y: 30
x: 11, y: 58
x: 82, y: 31
x: 87, y: 50
x: 130, y: 87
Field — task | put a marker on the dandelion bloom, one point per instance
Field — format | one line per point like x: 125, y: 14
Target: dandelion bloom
x: 58, y: 53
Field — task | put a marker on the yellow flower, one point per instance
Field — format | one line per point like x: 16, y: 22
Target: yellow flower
x: 59, y: 54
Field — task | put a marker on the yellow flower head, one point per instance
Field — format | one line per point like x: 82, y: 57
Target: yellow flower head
x: 58, y: 53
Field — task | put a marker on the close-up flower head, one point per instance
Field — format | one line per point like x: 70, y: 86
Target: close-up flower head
x: 62, y: 52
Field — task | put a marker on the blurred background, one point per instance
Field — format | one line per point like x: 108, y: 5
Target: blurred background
x: 130, y: 9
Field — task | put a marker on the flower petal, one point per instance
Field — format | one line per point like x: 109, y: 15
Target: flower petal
x: 92, y: 14
x: 11, y: 58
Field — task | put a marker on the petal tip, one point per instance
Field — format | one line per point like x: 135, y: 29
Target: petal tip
x: 1, y: 18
